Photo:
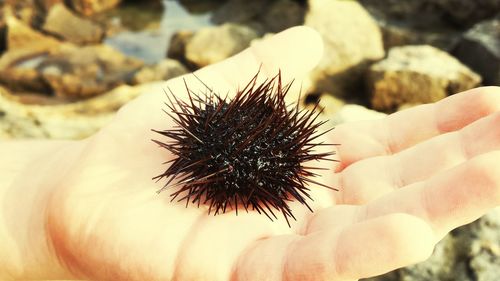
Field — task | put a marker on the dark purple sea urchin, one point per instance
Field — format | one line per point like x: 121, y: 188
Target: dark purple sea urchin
x: 248, y: 151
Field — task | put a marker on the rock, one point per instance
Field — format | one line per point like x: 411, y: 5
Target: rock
x: 17, y: 65
x: 177, y: 45
x: 90, y: 7
x: 18, y: 71
x: 239, y: 11
x: 466, y: 13
x: 162, y: 71
x: 87, y: 71
x: 283, y: 14
x: 63, y: 23
x: 480, y: 49
x: 352, y: 40
x: 417, y: 74
x: 64, y: 121
x: 22, y: 36
x: 213, y: 44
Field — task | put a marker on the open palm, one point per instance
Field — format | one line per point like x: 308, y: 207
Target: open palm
x: 405, y: 181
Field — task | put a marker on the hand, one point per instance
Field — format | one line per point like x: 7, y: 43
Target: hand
x: 405, y: 181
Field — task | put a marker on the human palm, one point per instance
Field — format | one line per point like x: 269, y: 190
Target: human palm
x: 405, y: 181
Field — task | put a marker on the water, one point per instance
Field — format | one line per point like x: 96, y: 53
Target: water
x: 150, y: 28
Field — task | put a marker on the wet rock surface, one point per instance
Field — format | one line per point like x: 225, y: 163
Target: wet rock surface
x: 417, y: 74
x: 87, y: 71
x: 352, y: 40
x: 480, y: 49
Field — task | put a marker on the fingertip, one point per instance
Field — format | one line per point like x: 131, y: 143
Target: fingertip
x: 294, y: 51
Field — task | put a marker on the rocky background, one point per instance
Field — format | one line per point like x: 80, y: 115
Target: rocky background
x: 67, y: 65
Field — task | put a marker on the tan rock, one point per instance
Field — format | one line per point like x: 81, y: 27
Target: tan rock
x: 20, y: 36
x: 62, y: 22
x: 213, y: 44
x: 87, y: 71
x: 417, y: 74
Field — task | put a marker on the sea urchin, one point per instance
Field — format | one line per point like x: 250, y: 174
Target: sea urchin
x: 248, y: 151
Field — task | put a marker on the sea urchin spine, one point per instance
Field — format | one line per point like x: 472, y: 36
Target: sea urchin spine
x: 246, y: 151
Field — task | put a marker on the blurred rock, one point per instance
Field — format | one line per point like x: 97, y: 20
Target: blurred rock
x: 66, y: 121
x: 63, y: 23
x: 417, y: 74
x: 352, y: 40
x: 162, y: 71
x: 480, y: 49
x: 17, y: 65
x: 177, y: 45
x: 22, y: 36
x: 213, y: 44
x: 18, y: 71
x: 283, y: 14
x: 90, y: 7
x: 87, y: 71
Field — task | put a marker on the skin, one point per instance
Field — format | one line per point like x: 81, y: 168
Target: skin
x: 88, y: 209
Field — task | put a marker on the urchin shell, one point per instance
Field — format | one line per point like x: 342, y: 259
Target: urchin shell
x: 248, y: 151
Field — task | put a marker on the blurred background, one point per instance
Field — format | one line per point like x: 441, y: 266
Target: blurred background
x: 66, y: 66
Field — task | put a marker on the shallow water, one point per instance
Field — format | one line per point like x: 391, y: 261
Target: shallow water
x: 148, y: 29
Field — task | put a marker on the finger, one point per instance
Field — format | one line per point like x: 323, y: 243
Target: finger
x: 406, y: 128
x: 371, y: 178
x: 450, y: 199
x: 361, y: 250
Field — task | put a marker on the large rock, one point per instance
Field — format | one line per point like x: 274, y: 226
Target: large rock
x: 63, y: 23
x: 87, y: 71
x: 213, y: 44
x: 352, y: 40
x: 162, y: 71
x: 417, y: 74
x: 480, y: 49
x: 90, y: 7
